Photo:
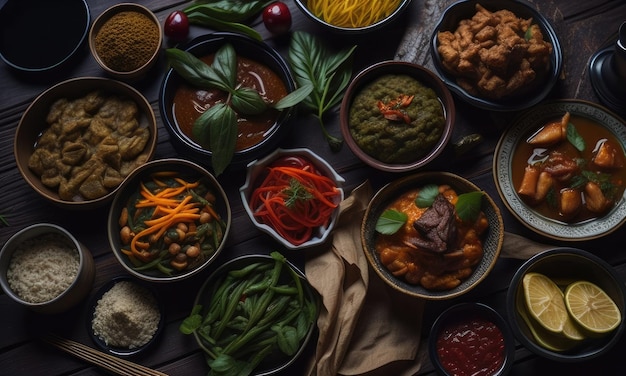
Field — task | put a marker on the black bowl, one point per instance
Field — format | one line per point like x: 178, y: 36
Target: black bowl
x: 277, y: 361
x: 244, y: 46
x: 462, y: 313
x: 38, y: 36
x: 122, y: 351
x: 465, y: 10
x: 567, y: 264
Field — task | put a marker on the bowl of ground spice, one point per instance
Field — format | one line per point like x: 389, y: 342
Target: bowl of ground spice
x: 125, y: 316
x: 126, y: 40
x: 397, y: 116
x: 45, y: 268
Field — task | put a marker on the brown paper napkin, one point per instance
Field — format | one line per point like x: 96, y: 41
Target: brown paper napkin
x: 366, y: 327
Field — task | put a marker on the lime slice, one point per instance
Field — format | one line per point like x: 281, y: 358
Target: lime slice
x: 548, y: 340
x: 572, y: 331
x: 591, y: 307
x: 544, y: 301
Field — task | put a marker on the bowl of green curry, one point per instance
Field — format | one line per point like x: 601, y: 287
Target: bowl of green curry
x: 397, y: 116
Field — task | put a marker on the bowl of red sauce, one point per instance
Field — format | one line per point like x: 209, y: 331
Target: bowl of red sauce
x: 293, y: 195
x: 471, y: 339
x: 258, y: 67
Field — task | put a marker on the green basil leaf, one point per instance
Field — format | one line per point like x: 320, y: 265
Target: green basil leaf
x: 229, y: 10
x: 225, y: 65
x: 468, y: 206
x: 199, y: 18
x: 427, y: 195
x: 287, y: 339
x: 248, y: 101
x: 201, y: 129
x: 223, y: 138
x: 193, y: 70
x: 294, y: 97
x: 390, y: 222
x: 574, y: 137
x: 190, y: 324
x: 329, y: 75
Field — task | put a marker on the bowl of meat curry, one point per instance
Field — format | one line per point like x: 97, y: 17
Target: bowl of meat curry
x: 432, y: 235
x: 496, y: 55
x: 560, y: 170
x: 78, y: 140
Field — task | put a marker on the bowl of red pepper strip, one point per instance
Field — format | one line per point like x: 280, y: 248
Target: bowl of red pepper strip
x: 293, y: 195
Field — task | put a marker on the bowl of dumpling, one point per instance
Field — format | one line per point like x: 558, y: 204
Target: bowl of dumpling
x: 78, y: 140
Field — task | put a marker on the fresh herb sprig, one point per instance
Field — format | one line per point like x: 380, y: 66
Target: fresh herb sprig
x: 216, y: 128
x: 226, y: 15
x: 328, y: 73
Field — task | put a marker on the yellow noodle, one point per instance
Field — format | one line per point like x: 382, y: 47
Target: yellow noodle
x: 352, y: 13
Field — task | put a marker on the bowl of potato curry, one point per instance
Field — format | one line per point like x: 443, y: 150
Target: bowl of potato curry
x: 561, y: 170
x: 433, y: 235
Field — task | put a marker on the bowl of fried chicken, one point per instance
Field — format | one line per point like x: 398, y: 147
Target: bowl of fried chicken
x: 496, y: 55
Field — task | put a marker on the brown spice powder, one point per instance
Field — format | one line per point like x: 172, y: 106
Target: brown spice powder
x: 127, y: 40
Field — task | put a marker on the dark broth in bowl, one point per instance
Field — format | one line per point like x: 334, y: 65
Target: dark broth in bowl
x: 612, y: 178
x: 190, y: 102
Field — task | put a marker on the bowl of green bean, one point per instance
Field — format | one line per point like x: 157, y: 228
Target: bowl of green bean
x: 168, y: 221
x: 254, y: 315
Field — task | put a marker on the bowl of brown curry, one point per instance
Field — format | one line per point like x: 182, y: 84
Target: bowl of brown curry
x: 432, y: 235
x: 397, y: 116
x: 560, y: 169
x: 78, y: 140
x: 184, y: 102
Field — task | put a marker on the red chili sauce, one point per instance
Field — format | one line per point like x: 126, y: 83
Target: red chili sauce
x: 472, y: 346
x: 190, y: 102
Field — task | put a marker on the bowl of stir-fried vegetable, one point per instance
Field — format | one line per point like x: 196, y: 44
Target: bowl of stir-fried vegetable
x: 254, y: 316
x: 169, y: 220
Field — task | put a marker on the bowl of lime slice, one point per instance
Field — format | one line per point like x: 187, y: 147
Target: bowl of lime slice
x: 567, y: 305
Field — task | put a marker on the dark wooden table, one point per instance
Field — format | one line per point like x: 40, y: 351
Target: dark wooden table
x: 583, y: 28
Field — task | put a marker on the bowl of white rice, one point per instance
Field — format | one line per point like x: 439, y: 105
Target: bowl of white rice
x: 45, y: 268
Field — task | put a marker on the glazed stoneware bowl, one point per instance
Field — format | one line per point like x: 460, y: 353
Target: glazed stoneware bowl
x: 566, y: 265
x: 508, y: 181
x: 491, y: 238
x: 428, y: 139
x: 451, y: 342
x: 257, y: 170
x: 28, y: 239
x: 131, y: 53
x: 60, y: 32
x: 344, y: 27
x: 540, y: 87
x: 34, y: 122
x: 263, y: 142
x: 207, y: 236
x: 209, y: 294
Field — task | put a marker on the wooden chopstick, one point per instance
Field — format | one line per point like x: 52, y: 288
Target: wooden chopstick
x: 111, y: 363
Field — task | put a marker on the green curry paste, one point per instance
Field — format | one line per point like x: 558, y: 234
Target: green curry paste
x: 398, y: 140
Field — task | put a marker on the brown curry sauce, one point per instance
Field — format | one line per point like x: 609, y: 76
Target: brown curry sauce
x: 190, y: 102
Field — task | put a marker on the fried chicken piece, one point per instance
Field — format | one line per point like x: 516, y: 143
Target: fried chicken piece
x: 494, y: 54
